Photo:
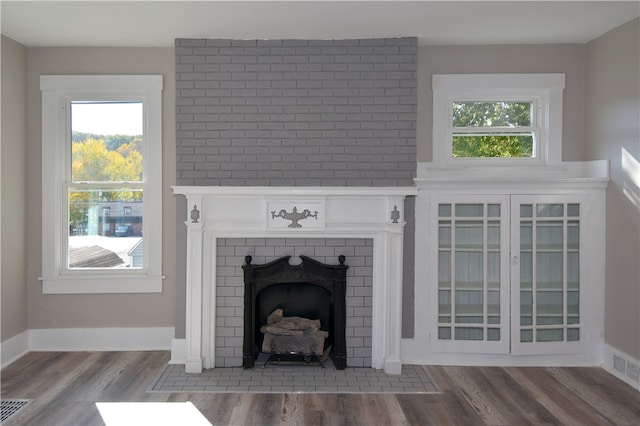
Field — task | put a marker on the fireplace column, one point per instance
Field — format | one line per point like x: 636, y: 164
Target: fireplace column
x: 193, y: 363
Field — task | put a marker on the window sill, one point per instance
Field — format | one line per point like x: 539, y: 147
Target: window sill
x: 102, y: 284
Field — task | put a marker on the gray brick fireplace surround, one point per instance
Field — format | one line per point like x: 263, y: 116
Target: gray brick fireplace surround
x: 296, y: 113
x: 229, y: 309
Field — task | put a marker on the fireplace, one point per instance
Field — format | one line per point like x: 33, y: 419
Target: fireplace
x: 311, y: 290
x: 215, y: 213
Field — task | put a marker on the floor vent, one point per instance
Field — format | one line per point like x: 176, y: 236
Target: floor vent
x: 9, y: 407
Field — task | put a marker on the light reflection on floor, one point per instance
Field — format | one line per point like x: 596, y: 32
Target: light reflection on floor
x: 151, y: 413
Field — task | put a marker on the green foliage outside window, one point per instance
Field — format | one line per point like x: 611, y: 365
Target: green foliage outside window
x: 94, y: 160
x: 492, y: 130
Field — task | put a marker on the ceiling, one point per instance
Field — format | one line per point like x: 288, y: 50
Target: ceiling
x: 159, y: 23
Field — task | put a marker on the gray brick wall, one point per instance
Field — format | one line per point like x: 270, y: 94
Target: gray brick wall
x: 296, y: 112
x: 230, y: 288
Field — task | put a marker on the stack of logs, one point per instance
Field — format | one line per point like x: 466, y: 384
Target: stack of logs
x: 292, y: 335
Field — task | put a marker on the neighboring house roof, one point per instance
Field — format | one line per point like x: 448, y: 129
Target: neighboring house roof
x: 93, y: 257
x: 136, y: 250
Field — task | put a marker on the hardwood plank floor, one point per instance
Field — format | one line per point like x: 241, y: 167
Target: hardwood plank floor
x: 65, y: 387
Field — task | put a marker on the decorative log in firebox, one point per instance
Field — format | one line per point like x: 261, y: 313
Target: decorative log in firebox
x: 309, y: 290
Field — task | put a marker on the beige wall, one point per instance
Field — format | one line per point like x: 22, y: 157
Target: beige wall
x: 612, y: 132
x: 14, y: 189
x: 117, y: 310
x: 557, y: 58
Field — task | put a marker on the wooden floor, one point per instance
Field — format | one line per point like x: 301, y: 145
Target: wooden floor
x: 64, y: 388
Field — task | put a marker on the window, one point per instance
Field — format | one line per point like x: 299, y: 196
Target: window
x: 493, y: 119
x: 103, y: 134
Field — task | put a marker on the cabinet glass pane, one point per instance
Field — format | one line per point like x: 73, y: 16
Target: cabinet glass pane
x: 526, y: 210
x: 549, y: 272
x: 444, y: 333
x: 469, y: 210
x: 493, y: 334
x: 469, y: 306
x: 550, y: 210
x: 444, y: 269
x: 573, y: 270
x: 493, y: 235
x: 469, y: 234
x: 469, y: 333
x: 573, y: 334
x: 444, y: 210
x: 549, y: 235
x: 469, y: 271
x: 573, y: 235
x: 550, y: 335
x: 526, y: 270
x: 444, y: 303
x: 444, y: 234
x: 493, y: 270
x: 573, y: 210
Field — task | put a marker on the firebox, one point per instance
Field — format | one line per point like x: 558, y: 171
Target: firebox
x: 311, y: 290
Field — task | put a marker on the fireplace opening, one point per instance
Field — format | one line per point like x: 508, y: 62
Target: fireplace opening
x: 311, y: 290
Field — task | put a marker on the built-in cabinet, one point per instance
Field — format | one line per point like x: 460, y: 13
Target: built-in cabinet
x: 508, y: 269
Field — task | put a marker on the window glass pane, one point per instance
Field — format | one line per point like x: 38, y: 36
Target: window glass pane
x: 491, y: 114
x: 494, y: 145
x: 106, y: 141
x: 98, y: 240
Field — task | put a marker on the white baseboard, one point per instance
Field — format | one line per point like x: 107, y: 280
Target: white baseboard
x: 178, y: 351
x: 623, y: 366
x: 13, y: 348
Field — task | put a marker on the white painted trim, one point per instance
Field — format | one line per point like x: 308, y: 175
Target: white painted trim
x: 178, y: 351
x: 102, y: 285
x: 545, y: 90
x: 101, y: 339
x: 57, y: 93
x: 13, y: 348
x: 608, y: 352
x: 410, y: 356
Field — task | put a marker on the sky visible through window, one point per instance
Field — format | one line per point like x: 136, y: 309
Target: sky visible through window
x: 107, y: 118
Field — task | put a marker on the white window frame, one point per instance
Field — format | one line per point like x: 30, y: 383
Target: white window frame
x: 544, y: 90
x: 57, y: 93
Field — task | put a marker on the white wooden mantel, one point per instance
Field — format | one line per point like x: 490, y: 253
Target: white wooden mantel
x: 261, y: 212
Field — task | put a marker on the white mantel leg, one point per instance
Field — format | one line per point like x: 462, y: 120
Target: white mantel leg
x: 392, y: 363
x: 193, y: 363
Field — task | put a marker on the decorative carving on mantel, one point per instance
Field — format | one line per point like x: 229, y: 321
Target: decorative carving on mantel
x: 295, y: 216
x: 395, y: 214
x: 195, y: 214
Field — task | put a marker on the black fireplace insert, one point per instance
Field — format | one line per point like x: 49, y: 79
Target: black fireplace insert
x: 311, y: 290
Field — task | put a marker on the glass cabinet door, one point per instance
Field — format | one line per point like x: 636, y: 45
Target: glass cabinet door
x: 546, y: 254
x: 472, y: 297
